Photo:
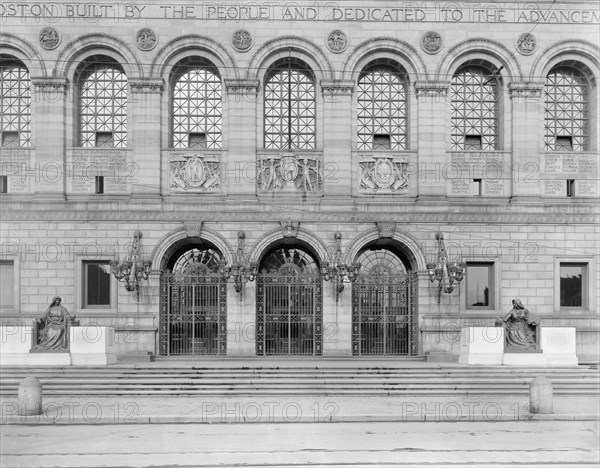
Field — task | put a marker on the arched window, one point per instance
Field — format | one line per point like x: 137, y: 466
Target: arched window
x: 15, y: 93
x: 290, y: 106
x: 102, y: 91
x: 474, y: 108
x: 196, y: 112
x: 382, y: 110
x: 566, y: 110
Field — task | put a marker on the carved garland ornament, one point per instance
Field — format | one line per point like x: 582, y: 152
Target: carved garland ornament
x: 383, y: 174
x: 289, y: 172
x: 197, y: 173
x: 49, y: 38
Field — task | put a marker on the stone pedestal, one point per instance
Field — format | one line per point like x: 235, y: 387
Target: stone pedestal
x: 559, y: 346
x: 92, y: 346
x: 481, y: 345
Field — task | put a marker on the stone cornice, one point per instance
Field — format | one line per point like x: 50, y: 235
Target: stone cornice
x: 337, y: 86
x: 147, y: 85
x: 46, y: 83
x: 241, y: 85
x: 431, y: 87
x: 525, y: 88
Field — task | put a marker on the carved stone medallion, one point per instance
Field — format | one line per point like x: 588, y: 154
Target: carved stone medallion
x: 197, y: 173
x: 383, y: 173
x: 146, y: 39
x: 49, y: 38
x: 431, y: 42
x: 337, y: 41
x: 194, y: 171
x: 289, y: 168
x: 526, y: 44
x: 241, y: 40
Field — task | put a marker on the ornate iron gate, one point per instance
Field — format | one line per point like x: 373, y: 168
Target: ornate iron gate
x: 193, y: 318
x: 289, y: 317
x: 384, y: 315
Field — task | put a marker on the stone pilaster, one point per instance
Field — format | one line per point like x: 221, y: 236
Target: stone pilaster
x: 527, y: 113
x: 239, y: 168
x: 432, y: 97
x: 48, y: 111
x: 337, y: 137
x: 144, y: 134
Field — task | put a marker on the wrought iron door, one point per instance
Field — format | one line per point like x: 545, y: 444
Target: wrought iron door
x: 289, y: 317
x: 384, y: 315
x: 193, y: 318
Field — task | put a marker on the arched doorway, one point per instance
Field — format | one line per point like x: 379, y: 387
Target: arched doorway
x: 193, y: 307
x: 289, y: 303
x: 384, y: 314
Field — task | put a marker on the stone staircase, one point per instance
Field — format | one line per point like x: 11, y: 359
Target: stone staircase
x: 298, y: 377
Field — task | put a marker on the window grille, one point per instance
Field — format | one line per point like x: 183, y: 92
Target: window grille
x: 15, y: 92
x: 103, y: 105
x: 382, y: 109
x: 290, y: 107
x: 197, y: 115
x: 474, y: 109
x: 566, y: 110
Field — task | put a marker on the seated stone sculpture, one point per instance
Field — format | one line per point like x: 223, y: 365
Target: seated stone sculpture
x: 520, y: 329
x: 51, y: 331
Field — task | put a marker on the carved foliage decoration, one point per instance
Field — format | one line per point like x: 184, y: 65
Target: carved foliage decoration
x: 383, y: 174
x: 289, y: 172
x: 195, y: 173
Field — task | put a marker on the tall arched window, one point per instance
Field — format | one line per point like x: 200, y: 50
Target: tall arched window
x: 382, y: 109
x: 197, y: 119
x: 102, y: 91
x: 290, y: 106
x: 15, y: 108
x: 474, y: 108
x: 566, y: 110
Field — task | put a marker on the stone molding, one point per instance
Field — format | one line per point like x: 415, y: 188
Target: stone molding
x: 242, y: 86
x: 386, y: 230
x: 46, y: 83
x: 276, y: 235
x: 147, y: 86
x: 587, y: 51
x: 337, y: 86
x: 432, y: 88
x: 29, y: 53
x: 525, y: 89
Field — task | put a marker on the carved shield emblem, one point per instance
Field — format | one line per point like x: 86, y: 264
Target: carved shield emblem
x: 383, y: 173
x: 194, y: 171
x: 289, y: 168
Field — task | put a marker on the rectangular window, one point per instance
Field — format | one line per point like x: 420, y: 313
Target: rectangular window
x: 104, y: 140
x: 3, y: 184
x: 10, y: 139
x: 573, y: 284
x: 564, y: 143
x: 96, y: 284
x: 382, y: 142
x: 99, y: 184
x: 477, y: 190
x: 570, y: 188
x: 197, y: 140
x: 7, y: 285
x: 480, y: 285
x: 472, y: 142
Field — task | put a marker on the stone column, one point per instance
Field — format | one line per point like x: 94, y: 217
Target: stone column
x: 48, y: 120
x: 239, y: 167
x: 527, y: 115
x: 432, y: 102
x: 144, y: 138
x: 337, y: 138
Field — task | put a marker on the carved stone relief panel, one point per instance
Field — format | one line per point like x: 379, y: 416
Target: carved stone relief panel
x: 290, y: 172
x: 195, y: 173
x: 383, y: 174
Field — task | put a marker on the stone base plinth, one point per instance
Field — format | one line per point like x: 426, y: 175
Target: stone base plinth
x: 92, y: 346
x: 524, y: 359
x: 481, y: 345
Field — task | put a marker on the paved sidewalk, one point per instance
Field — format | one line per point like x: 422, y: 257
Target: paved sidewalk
x: 264, y: 409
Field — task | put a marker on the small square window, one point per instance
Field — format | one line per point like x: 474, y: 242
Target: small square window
x: 477, y: 187
x: 104, y: 140
x: 99, y: 184
x: 96, y: 284
x: 381, y: 142
x: 3, y: 184
x: 564, y: 143
x: 573, y: 284
x: 7, y: 284
x: 472, y: 142
x: 197, y: 140
x: 480, y: 285
x: 10, y: 140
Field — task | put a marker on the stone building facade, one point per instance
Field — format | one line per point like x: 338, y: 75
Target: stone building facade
x: 265, y: 150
